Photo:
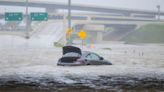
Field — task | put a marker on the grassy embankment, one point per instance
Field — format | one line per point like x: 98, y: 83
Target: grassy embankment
x: 151, y: 33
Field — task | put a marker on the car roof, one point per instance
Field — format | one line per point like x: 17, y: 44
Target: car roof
x: 85, y: 53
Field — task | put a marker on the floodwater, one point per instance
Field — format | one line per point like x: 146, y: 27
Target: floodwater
x: 136, y: 68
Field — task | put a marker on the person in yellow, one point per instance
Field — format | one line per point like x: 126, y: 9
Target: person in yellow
x: 69, y: 32
x: 68, y: 35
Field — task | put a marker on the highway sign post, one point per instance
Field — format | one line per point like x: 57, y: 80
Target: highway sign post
x: 82, y: 35
x: 39, y: 16
x: 13, y: 16
x: 27, y: 21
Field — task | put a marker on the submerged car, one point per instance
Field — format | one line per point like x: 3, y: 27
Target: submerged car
x: 73, y: 56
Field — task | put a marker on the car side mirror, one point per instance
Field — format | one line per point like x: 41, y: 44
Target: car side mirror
x: 101, y: 58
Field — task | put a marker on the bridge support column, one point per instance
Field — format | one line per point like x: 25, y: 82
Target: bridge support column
x: 95, y: 29
x: 99, y: 36
x: 89, y: 18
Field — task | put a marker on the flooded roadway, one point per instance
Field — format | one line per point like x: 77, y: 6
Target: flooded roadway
x: 137, y: 68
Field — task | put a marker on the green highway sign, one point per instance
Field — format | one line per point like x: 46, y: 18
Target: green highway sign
x: 39, y: 16
x: 13, y: 16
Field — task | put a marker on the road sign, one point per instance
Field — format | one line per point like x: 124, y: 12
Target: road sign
x: 69, y: 32
x: 39, y: 16
x: 13, y: 16
x: 82, y: 34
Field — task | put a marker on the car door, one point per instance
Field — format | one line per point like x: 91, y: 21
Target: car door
x: 93, y: 59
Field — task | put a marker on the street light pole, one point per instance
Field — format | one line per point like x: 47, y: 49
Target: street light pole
x: 158, y: 7
x: 27, y: 21
x: 69, y: 13
x: 69, y: 30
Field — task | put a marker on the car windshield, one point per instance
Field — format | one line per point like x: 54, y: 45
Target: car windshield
x: 92, y: 57
x: 71, y: 54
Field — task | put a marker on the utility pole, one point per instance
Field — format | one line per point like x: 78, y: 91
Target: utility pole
x: 69, y: 13
x: 158, y: 7
x: 69, y: 30
x: 27, y: 21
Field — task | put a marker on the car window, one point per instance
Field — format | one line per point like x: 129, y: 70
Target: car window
x: 92, y: 57
x: 71, y: 54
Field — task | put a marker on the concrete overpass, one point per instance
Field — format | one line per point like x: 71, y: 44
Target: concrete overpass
x: 90, y: 19
x: 127, y: 16
x: 80, y: 16
x: 52, y: 5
